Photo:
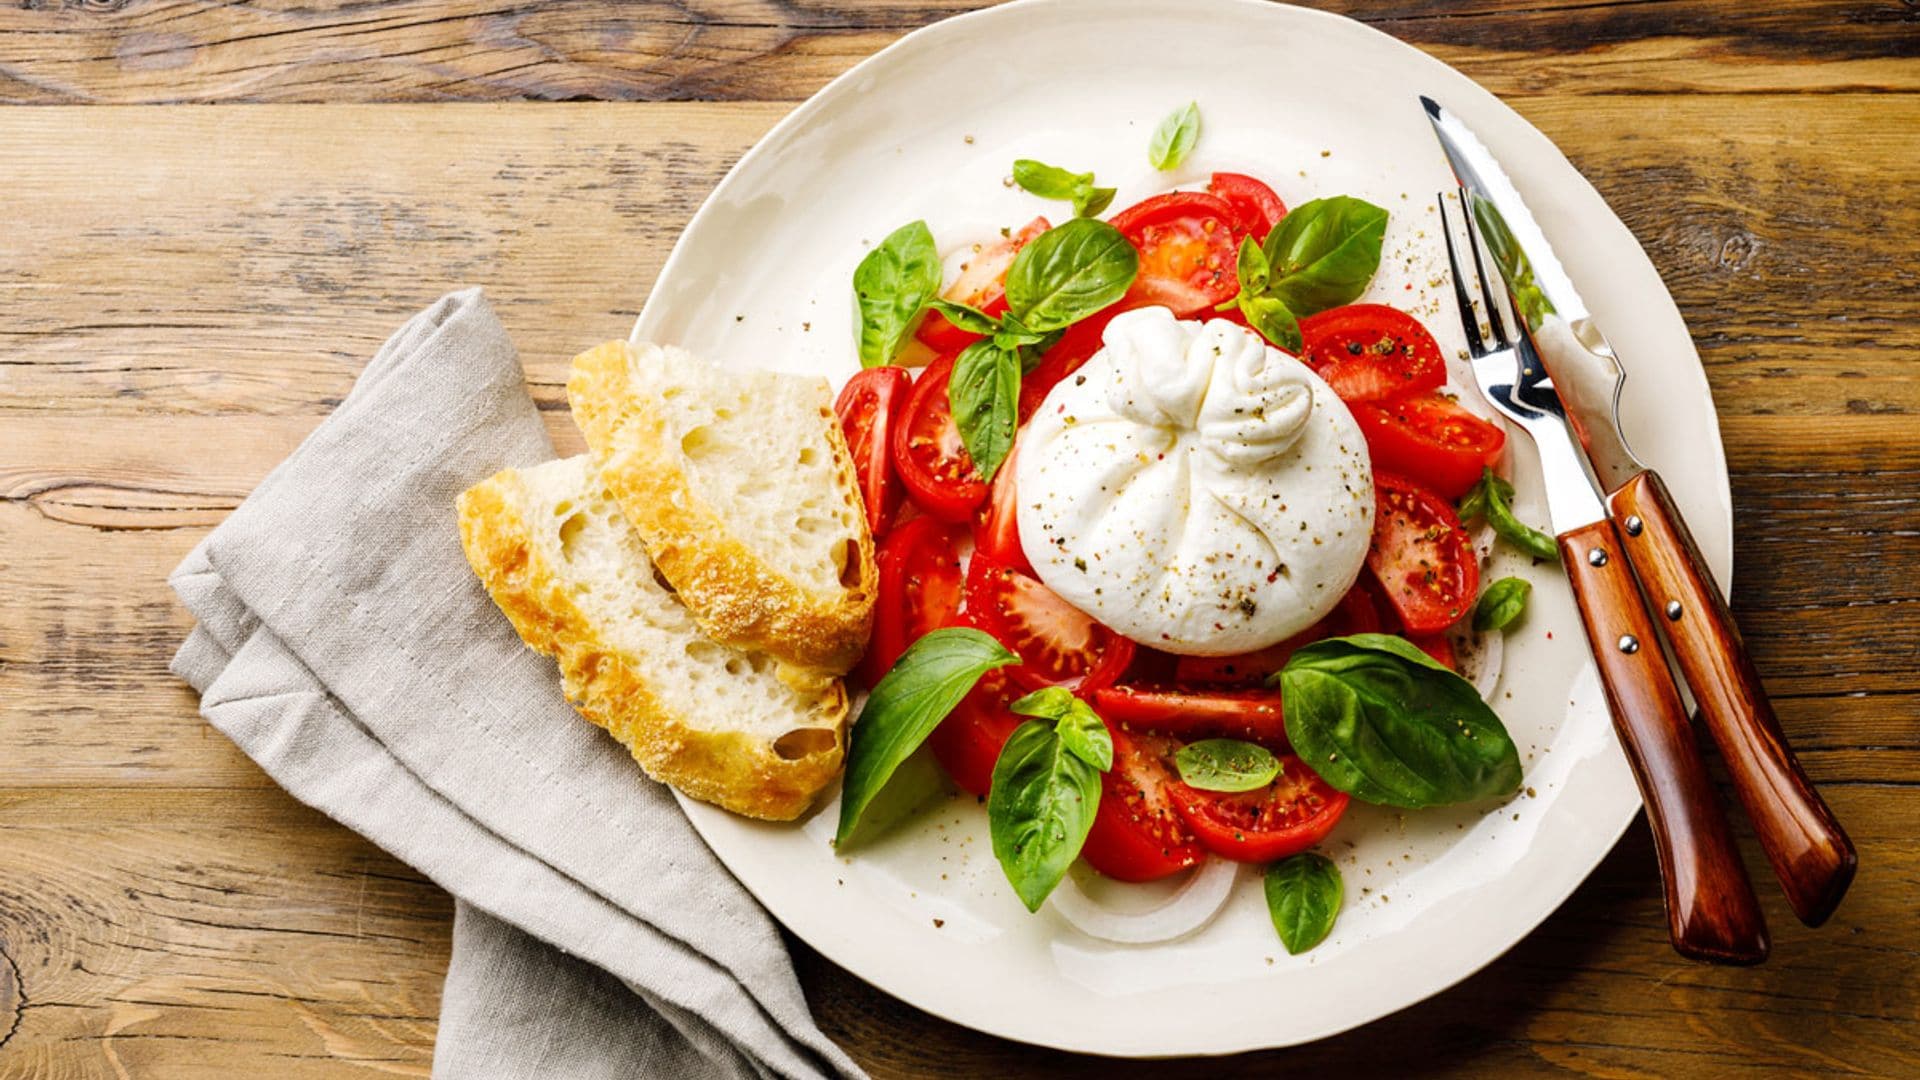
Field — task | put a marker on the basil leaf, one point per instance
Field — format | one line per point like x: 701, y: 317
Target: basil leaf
x: 1323, y: 253
x: 1252, y: 268
x: 1069, y: 272
x: 1226, y: 765
x: 906, y: 705
x: 1048, y: 181
x: 1492, y: 498
x: 984, y: 393
x: 1039, y: 809
x: 1386, y: 723
x: 1090, y: 200
x: 890, y: 286
x: 968, y: 318
x: 1502, y: 603
x: 1303, y: 898
x: 1078, y: 726
x: 1274, y: 322
x: 1173, y: 140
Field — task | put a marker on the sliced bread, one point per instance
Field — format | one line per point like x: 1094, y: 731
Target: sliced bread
x: 744, y: 491
x: 727, y: 726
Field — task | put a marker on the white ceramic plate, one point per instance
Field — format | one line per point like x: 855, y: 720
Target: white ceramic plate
x: 1318, y: 105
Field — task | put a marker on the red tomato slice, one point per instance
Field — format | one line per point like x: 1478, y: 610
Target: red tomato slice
x: 1424, y: 560
x: 1187, y: 251
x: 1254, y: 204
x: 1074, y: 348
x: 996, y: 534
x: 1370, y: 352
x: 1284, y: 818
x: 967, y: 743
x: 1137, y: 835
x: 1436, y: 646
x: 1431, y: 439
x: 1244, y: 669
x: 866, y: 411
x: 1253, y: 715
x: 920, y: 590
x: 982, y: 284
x: 927, y: 451
x: 1056, y: 641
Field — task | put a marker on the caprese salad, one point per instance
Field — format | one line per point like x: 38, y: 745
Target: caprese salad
x: 1173, y: 542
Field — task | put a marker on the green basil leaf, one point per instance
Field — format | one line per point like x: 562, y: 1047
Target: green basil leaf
x: 1323, y: 253
x: 1303, y: 898
x: 1272, y: 319
x: 1226, y: 765
x: 984, y: 394
x: 1173, y: 140
x: 1090, y: 200
x: 968, y: 318
x: 906, y: 705
x: 1048, y: 181
x: 890, y: 286
x: 1039, y: 809
x: 1252, y: 268
x: 1069, y: 272
x: 1386, y: 723
x: 1502, y: 603
x: 1078, y: 726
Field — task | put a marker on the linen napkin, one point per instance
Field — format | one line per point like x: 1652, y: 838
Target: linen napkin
x: 343, y: 643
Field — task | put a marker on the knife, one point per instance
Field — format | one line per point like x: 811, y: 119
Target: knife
x: 1811, y: 855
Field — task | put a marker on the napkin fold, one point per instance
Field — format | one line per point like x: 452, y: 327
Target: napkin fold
x: 343, y: 644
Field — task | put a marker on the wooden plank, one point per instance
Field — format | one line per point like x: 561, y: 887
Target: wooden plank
x: 161, y: 51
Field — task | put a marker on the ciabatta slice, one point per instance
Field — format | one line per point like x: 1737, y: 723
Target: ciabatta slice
x: 744, y: 491
x: 727, y: 726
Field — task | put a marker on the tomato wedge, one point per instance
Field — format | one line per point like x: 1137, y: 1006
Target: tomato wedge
x: 967, y: 743
x: 996, y: 534
x: 920, y: 590
x: 927, y: 451
x: 1256, y: 208
x: 1436, y: 646
x: 1371, y: 352
x: 1137, y: 834
x: 1056, y: 641
x: 1424, y: 560
x: 1074, y: 348
x: 1253, y: 715
x: 866, y: 412
x: 982, y: 284
x: 1431, y: 439
x: 1284, y: 818
x: 1187, y: 251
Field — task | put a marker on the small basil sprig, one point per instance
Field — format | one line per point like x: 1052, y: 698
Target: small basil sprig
x: 1502, y: 603
x: 1303, y: 899
x: 1386, y: 723
x: 1320, y: 256
x: 1492, y: 498
x: 890, y: 286
x: 1062, y: 276
x: 1173, y: 140
x: 1046, y: 790
x: 1053, y: 182
x: 906, y: 705
x: 1226, y: 765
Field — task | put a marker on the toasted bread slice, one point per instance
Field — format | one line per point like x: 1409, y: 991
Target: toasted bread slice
x: 726, y: 726
x: 744, y: 491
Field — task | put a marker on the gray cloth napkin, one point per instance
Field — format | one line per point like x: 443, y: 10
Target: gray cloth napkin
x: 345, y: 646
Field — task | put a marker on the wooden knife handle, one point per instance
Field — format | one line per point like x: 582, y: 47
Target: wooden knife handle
x: 1810, y: 853
x: 1712, y: 913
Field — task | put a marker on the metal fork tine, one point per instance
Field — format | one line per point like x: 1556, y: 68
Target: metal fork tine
x: 1494, y: 322
x: 1469, y: 321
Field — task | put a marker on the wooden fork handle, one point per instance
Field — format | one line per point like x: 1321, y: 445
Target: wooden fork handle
x: 1712, y: 913
x: 1810, y: 853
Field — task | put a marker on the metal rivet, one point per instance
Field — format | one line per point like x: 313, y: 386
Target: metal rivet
x: 1634, y: 525
x: 1674, y: 610
x: 1629, y: 644
x: 1597, y: 557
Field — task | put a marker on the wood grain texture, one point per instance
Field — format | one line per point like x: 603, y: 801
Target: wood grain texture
x: 185, y: 292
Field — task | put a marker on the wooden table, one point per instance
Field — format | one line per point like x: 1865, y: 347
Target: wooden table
x: 185, y: 292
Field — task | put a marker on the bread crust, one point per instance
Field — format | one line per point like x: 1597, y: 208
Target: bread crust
x: 731, y: 769
x: 735, y: 596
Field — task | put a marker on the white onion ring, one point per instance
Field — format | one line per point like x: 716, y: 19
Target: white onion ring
x: 1478, y: 655
x: 1191, y: 907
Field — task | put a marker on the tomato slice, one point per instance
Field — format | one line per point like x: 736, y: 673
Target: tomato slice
x: 1424, y: 560
x: 1253, y: 715
x: 1188, y: 251
x: 1284, y: 818
x: 967, y: 743
x: 1056, y: 641
x: 866, y: 411
x: 982, y: 284
x: 927, y: 451
x: 1074, y: 349
x: 1245, y: 669
x: 919, y: 591
x: 1436, y: 646
x: 1256, y: 208
x: 1431, y: 439
x: 1371, y: 352
x: 996, y: 534
x: 1137, y: 834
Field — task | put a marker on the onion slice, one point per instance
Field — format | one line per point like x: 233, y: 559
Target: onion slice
x: 1192, y: 906
x: 1479, y: 656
